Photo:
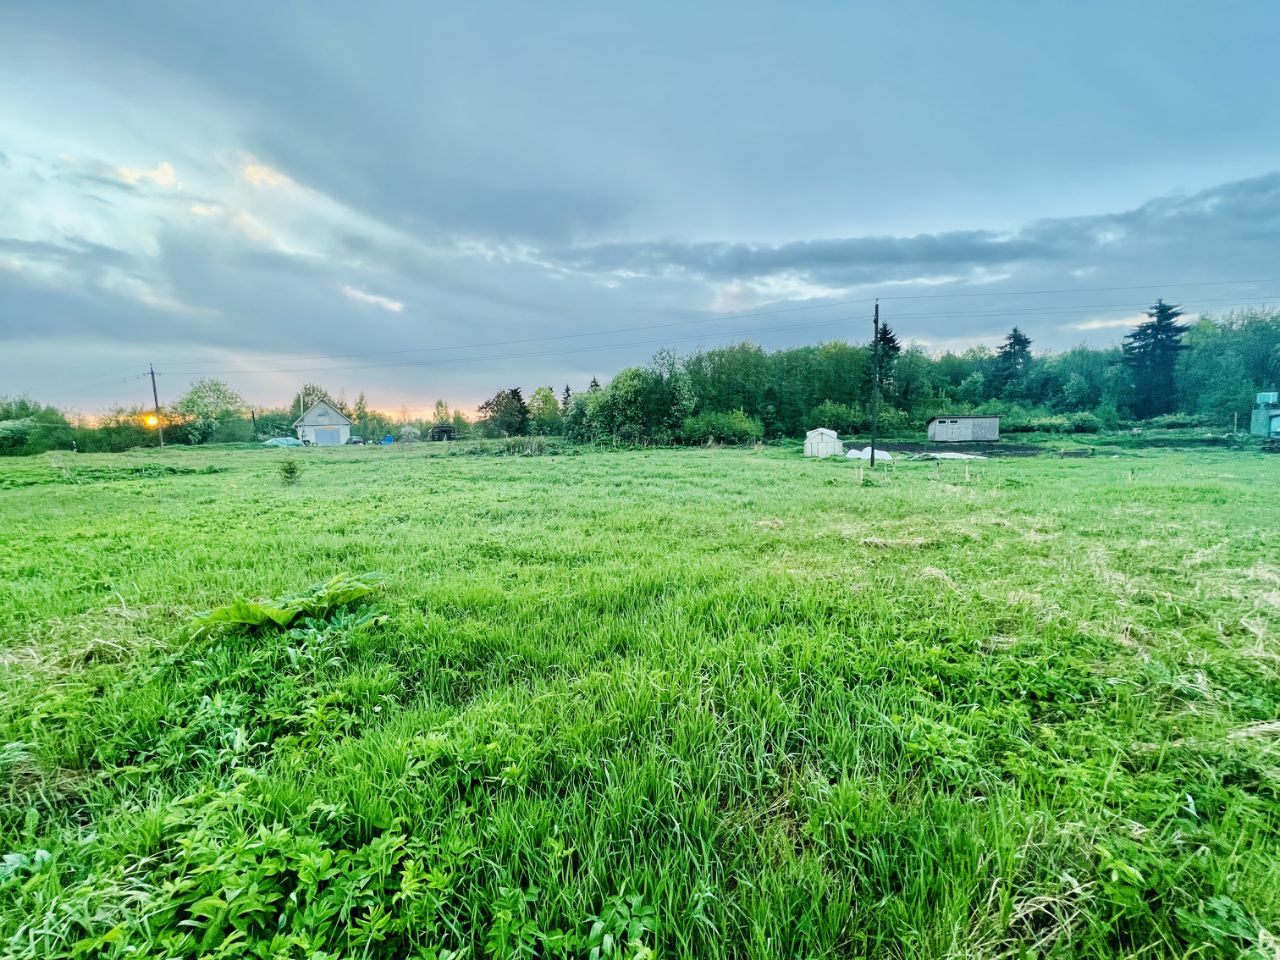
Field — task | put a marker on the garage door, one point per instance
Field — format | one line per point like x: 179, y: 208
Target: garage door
x: 328, y: 437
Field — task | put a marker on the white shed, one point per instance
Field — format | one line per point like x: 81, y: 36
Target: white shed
x: 822, y: 443
x: 323, y: 425
x: 959, y: 429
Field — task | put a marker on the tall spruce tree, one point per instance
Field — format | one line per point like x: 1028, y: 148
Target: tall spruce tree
x: 1013, y: 360
x: 885, y: 356
x: 1151, y: 354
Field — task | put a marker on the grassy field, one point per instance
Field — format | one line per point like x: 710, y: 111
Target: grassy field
x: 690, y: 703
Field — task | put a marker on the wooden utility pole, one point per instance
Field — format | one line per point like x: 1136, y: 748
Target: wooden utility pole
x: 875, y: 381
x: 155, y: 396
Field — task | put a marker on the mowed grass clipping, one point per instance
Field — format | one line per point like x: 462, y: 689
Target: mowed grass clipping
x: 695, y: 703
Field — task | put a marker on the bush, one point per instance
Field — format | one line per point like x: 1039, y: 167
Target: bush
x: 124, y: 429
x: 1085, y: 423
x: 275, y: 423
x: 840, y: 417
x: 534, y: 446
x: 1180, y: 421
x: 1107, y: 414
x: 26, y: 427
x: 711, y: 426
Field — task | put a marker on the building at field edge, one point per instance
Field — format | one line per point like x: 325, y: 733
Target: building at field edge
x: 963, y: 429
x: 1265, y: 421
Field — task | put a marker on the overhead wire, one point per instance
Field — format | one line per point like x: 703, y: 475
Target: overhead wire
x: 766, y: 313
x: 596, y: 348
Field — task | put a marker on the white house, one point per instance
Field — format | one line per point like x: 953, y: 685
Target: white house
x: 822, y: 443
x: 959, y: 429
x: 324, y: 425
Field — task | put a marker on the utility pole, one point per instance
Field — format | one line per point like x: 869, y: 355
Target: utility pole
x: 875, y: 381
x: 156, y: 397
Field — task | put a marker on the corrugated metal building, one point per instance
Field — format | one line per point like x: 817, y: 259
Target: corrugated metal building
x: 962, y: 429
x: 1265, y: 421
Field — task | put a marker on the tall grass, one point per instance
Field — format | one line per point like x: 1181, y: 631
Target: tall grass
x: 681, y: 703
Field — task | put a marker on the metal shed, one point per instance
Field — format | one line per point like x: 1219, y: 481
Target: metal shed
x: 323, y: 425
x: 963, y: 429
x: 823, y: 443
x: 1265, y: 421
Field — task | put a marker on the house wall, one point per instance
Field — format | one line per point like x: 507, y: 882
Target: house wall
x: 965, y: 429
x: 324, y: 426
x: 324, y: 435
x: 1261, y: 423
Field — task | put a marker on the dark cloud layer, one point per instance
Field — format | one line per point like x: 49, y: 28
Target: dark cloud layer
x: 1217, y: 221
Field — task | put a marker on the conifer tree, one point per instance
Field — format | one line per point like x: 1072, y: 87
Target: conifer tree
x: 1151, y: 354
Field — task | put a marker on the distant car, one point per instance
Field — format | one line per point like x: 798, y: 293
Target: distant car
x: 283, y: 442
x: 359, y: 441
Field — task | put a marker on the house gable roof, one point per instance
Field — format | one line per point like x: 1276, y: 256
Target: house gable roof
x: 305, y: 419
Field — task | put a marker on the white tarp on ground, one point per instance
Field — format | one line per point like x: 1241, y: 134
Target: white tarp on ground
x: 865, y: 454
x: 948, y: 456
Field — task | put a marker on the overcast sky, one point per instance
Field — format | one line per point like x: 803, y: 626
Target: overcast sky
x: 436, y: 200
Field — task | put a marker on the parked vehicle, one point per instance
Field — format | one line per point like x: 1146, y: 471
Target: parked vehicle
x: 358, y: 441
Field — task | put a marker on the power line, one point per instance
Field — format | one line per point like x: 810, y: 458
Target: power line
x: 585, y: 333
x: 769, y: 313
x: 596, y: 348
x: 1011, y: 312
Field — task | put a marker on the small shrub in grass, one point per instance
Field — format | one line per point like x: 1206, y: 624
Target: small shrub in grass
x: 318, y: 602
x: 290, y: 472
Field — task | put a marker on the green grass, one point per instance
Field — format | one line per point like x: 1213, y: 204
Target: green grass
x: 699, y: 703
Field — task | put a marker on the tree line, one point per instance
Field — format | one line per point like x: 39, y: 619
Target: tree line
x: 1166, y: 371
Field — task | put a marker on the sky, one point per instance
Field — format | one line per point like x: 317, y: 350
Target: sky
x: 437, y: 200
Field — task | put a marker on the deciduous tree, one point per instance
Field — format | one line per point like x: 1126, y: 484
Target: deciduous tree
x: 506, y: 414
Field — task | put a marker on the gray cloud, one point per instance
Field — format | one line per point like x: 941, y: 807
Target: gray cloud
x: 1232, y: 213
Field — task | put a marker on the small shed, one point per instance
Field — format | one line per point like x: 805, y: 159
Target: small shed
x: 822, y: 443
x: 1265, y: 421
x: 441, y: 431
x: 323, y: 425
x: 963, y: 429
x: 1273, y: 428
